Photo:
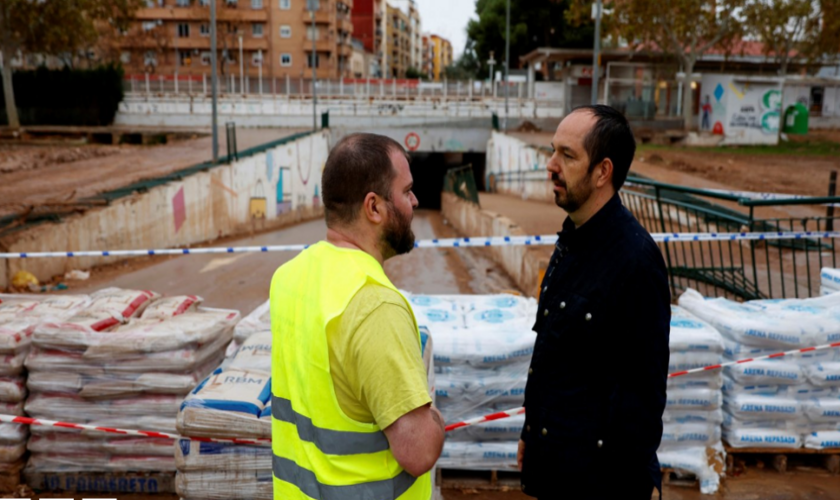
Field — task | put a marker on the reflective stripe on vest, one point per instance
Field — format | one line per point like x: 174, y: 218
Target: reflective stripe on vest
x: 286, y: 470
x: 327, y: 440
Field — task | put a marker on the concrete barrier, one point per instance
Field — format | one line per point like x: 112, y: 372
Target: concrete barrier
x: 270, y: 189
x: 517, y: 168
x: 525, y: 265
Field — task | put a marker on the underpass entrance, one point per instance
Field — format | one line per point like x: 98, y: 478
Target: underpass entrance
x: 429, y: 170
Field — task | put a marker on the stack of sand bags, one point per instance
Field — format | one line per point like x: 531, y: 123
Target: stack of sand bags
x: 18, y: 316
x: 691, y: 437
x: 829, y: 281
x: 784, y: 402
x: 235, y: 402
x: 126, y: 360
x: 483, y: 348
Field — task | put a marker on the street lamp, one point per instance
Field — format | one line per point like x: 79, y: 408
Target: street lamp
x: 214, y: 84
x: 491, y: 62
x: 313, y: 5
x: 241, y: 66
x: 507, y: 60
x: 596, y: 54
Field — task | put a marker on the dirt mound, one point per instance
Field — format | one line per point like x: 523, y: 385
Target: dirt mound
x: 26, y: 157
x: 527, y: 126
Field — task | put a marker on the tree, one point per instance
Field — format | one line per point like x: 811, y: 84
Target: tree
x: 58, y: 28
x: 788, y: 29
x: 415, y: 74
x: 533, y: 24
x: 684, y: 29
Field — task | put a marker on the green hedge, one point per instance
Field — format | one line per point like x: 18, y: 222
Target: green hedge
x: 66, y: 96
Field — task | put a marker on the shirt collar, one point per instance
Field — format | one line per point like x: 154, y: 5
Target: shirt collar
x: 596, y: 228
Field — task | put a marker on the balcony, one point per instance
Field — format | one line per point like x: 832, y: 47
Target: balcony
x: 198, y: 13
x: 322, y: 16
x: 326, y: 44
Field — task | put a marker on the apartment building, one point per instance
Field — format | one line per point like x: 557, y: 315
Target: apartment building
x: 426, y: 56
x: 391, y: 31
x: 441, y: 56
x: 170, y: 35
x: 415, y: 32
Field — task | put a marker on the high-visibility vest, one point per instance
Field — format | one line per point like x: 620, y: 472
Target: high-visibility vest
x: 319, y: 452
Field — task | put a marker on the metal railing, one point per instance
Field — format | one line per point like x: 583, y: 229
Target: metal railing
x: 461, y: 182
x: 736, y: 269
x: 336, y: 88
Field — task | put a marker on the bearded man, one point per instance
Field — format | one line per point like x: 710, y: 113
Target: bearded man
x: 351, y: 412
x: 596, y: 385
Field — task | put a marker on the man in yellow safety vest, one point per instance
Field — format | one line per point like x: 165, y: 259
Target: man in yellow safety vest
x: 351, y: 413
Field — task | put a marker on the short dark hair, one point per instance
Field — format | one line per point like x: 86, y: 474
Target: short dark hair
x: 610, y: 137
x: 359, y: 164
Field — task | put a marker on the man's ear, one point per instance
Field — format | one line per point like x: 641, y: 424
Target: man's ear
x: 373, y: 208
x: 604, y: 173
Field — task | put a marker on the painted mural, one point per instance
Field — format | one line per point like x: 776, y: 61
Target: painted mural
x: 743, y: 110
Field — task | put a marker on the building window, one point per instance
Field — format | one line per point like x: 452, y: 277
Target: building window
x: 150, y: 59
x: 257, y: 59
x: 285, y: 4
x: 205, y: 29
x: 183, y: 30
x: 125, y: 57
x: 204, y: 3
x: 256, y: 4
x: 285, y: 60
x: 205, y: 58
x: 310, y: 61
x: 231, y: 2
x: 182, y: 3
x: 184, y: 58
x: 257, y: 29
x: 149, y: 25
x: 285, y: 31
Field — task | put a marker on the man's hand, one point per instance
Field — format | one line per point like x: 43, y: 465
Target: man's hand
x: 520, y: 453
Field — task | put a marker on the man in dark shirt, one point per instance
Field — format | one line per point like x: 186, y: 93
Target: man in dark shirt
x: 596, y: 386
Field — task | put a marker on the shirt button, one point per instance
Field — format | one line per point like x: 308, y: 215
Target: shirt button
x: 588, y: 316
x: 562, y: 305
x: 600, y: 443
x: 530, y: 371
x: 545, y: 288
x: 528, y: 428
x: 545, y: 313
x: 545, y: 432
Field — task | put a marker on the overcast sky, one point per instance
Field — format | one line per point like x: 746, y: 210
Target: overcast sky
x: 447, y: 18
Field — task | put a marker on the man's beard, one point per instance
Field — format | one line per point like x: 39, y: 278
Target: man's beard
x: 574, y: 196
x: 398, y: 237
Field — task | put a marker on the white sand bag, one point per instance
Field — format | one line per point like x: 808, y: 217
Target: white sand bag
x: 479, y: 456
x: 762, y: 438
x: 72, y: 407
x: 693, y: 416
x: 255, y: 353
x: 126, y: 303
x: 15, y: 334
x: 13, y: 434
x: 822, y: 410
x: 168, y: 307
x: 689, y: 360
x: 693, y: 460
x: 157, y: 335
x: 195, y: 456
x: 759, y: 407
x: 227, y: 404
x: 695, y: 398
x: 257, y: 321
x: 437, y: 312
x: 689, y: 434
x: 225, y: 485
x: 508, y: 429
x: 58, y: 306
x: 711, y: 379
x: 76, y: 332
x: 824, y: 374
x: 690, y: 333
x: 15, y: 409
x: 12, y: 389
x: 830, y: 279
x: 485, y: 347
x: 12, y: 364
x: 823, y: 440
x: 767, y: 372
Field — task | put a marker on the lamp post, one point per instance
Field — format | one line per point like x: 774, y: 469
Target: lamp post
x: 313, y: 5
x: 214, y: 84
x: 260, y: 59
x: 241, y: 66
x: 596, y: 54
x: 491, y: 62
x: 507, y: 60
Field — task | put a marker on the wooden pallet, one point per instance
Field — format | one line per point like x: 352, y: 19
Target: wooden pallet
x: 475, y: 480
x: 738, y: 459
x: 102, y: 482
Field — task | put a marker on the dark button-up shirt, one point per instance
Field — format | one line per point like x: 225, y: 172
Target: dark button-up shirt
x: 596, y: 385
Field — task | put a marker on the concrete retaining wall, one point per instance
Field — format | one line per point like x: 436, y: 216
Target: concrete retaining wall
x: 524, y: 264
x: 278, y: 187
x: 517, y: 168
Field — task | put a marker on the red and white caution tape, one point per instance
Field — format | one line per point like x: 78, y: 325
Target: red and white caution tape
x: 476, y: 241
x: 11, y: 419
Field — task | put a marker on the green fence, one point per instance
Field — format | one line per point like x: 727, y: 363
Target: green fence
x: 745, y: 269
x: 461, y: 182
